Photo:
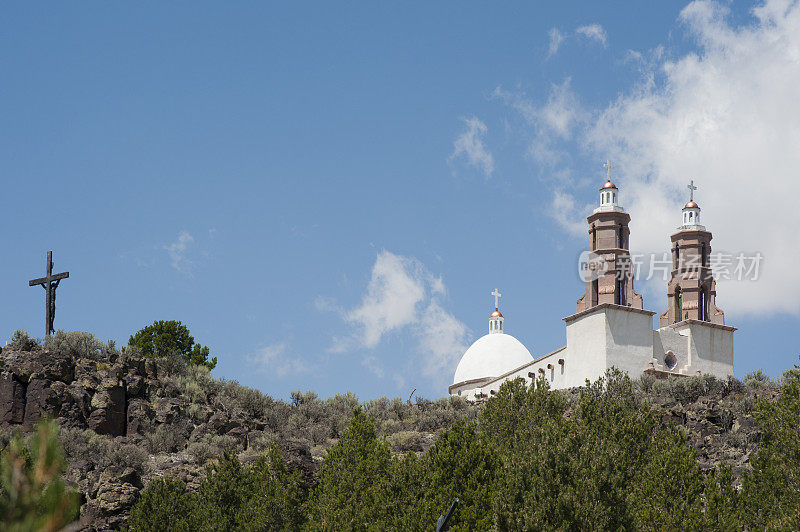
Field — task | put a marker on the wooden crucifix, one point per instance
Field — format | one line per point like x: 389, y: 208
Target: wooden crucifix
x: 49, y: 283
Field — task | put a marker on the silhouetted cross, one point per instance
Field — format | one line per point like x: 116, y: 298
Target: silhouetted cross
x: 49, y: 283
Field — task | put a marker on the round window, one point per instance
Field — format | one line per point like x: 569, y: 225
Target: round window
x: 670, y: 360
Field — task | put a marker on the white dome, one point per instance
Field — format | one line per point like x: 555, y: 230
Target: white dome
x: 491, y: 356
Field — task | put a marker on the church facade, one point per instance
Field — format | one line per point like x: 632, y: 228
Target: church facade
x: 611, y: 327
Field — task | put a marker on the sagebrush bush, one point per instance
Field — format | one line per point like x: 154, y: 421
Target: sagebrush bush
x: 202, y: 452
x: 128, y: 455
x: 406, y: 440
x: 22, y: 341
x: 80, y: 344
x: 167, y: 438
x: 249, y: 400
x: 645, y: 383
x: 261, y: 440
x: 756, y: 378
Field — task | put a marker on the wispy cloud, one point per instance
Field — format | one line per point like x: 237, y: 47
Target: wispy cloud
x: 275, y: 359
x: 593, y: 32
x: 403, y: 296
x: 470, y: 145
x: 553, y: 122
x: 556, y: 38
x: 177, y: 252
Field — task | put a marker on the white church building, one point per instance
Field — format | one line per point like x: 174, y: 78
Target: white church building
x: 610, y: 326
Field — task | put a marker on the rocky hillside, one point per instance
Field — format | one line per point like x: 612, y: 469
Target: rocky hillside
x: 126, y: 419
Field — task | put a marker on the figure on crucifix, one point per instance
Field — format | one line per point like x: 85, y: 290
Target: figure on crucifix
x: 49, y: 283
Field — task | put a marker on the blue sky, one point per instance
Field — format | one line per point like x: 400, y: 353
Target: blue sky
x: 327, y: 193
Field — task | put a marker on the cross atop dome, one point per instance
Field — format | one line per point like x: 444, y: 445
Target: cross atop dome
x: 496, y: 318
x: 608, y: 166
x: 608, y: 192
x: 691, y: 211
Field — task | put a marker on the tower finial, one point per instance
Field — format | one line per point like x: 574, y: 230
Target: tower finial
x: 496, y: 318
x: 691, y: 188
x: 608, y: 166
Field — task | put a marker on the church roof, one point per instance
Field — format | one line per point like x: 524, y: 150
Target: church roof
x: 691, y: 205
x: 609, y: 184
x: 491, y: 355
x: 496, y: 314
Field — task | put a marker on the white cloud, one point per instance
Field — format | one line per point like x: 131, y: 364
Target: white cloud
x: 593, y: 32
x: 403, y: 296
x: 372, y: 364
x: 177, y: 252
x: 556, y: 38
x: 274, y: 359
x: 395, y: 290
x: 470, y: 145
x: 727, y: 116
x: 567, y: 214
x: 442, y: 338
x: 553, y: 123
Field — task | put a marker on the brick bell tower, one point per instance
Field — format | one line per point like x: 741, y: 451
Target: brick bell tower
x: 691, y: 292
x: 610, y: 256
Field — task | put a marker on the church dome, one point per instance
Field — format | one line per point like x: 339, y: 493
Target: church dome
x: 496, y: 314
x: 691, y: 205
x: 609, y: 184
x: 491, y: 356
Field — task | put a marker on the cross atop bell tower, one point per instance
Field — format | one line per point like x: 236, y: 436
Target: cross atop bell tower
x: 608, y: 166
x: 496, y: 319
x: 691, y: 188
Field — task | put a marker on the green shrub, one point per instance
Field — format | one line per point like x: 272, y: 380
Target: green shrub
x: 645, y: 382
x: 32, y: 493
x: 128, y: 455
x: 80, y: 344
x: 756, y: 378
x: 21, y: 341
x: 771, y: 491
x: 165, y: 505
x: 266, y: 496
x: 349, y: 494
x: 202, y: 452
x: 167, y: 437
x: 406, y: 440
x: 249, y: 400
x: 164, y: 338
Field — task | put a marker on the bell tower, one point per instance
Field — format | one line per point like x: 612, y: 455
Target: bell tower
x: 611, y: 277
x: 691, y: 291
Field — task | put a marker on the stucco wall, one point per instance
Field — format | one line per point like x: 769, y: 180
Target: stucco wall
x: 629, y: 340
x: 711, y: 348
x: 585, y: 355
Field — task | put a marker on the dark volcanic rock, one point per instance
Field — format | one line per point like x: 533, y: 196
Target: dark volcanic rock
x: 140, y: 416
x: 40, y: 364
x: 40, y: 400
x: 12, y: 399
x: 109, y: 414
x: 116, y: 494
